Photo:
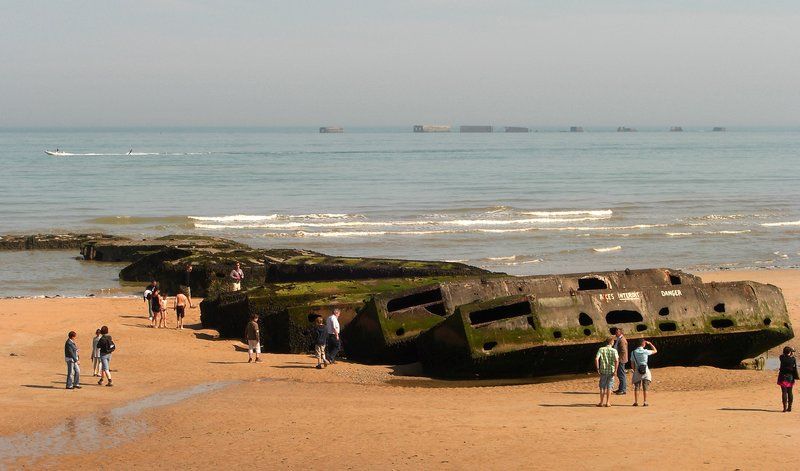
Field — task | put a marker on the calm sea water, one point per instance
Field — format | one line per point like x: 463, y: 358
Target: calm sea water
x: 520, y: 203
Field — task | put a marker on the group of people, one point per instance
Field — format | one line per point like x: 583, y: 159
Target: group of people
x: 327, y: 343
x: 102, y: 348
x: 157, y: 302
x: 611, y: 360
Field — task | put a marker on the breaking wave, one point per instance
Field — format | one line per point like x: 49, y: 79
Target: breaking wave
x: 607, y: 249
x: 781, y: 224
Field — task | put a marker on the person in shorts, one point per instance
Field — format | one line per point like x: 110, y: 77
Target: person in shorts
x: 106, y: 346
x: 320, y: 341
x: 253, y: 336
x: 641, y: 371
x: 606, y: 362
x: 181, y: 303
x: 787, y: 375
x: 237, y: 275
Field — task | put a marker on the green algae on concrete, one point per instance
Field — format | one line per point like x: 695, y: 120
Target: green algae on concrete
x: 286, y: 310
x: 717, y: 324
x: 386, y: 330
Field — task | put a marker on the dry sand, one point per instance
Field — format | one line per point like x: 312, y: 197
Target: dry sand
x: 183, y: 399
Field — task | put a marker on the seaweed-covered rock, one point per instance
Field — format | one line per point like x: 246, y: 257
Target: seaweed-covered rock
x: 310, y: 266
x: 209, y: 268
x: 131, y: 250
x: 67, y: 241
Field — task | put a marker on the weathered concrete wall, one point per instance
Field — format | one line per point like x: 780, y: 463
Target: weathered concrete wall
x: 718, y: 324
x: 385, y: 331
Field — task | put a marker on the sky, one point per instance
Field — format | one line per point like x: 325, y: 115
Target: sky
x: 386, y: 63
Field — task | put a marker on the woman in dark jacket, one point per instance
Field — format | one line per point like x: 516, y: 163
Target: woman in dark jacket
x: 787, y: 375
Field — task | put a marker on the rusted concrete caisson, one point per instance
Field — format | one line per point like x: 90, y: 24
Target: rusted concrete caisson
x: 386, y: 329
x: 717, y: 324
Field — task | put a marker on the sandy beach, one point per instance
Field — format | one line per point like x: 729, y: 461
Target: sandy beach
x: 185, y: 399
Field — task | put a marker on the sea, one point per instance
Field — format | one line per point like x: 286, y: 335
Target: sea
x: 519, y: 203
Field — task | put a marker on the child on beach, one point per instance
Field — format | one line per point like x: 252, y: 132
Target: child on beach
x: 162, y: 300
x: 321, y: 339
x: 96, y: 353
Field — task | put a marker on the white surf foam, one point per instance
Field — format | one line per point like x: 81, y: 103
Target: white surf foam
x: 678, y: 234
x: 781, y: 224
x: 743, y: 231
x: 607, y: 249
x: 597, y: 213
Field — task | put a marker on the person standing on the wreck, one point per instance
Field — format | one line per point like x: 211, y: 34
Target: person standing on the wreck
x: 334, y: 343
x: 237, y: 275
x: 621, y: 345
x: 787, y: 375
x: 606, y: 362
x: 186, y: 288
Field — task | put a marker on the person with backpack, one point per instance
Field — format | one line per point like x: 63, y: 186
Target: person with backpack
x: 641, y: 372
x: 320, y: 341
x: 107, y: 347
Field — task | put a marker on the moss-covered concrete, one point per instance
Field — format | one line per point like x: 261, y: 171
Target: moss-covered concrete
x: 718, y: 324
x: 68, y: 241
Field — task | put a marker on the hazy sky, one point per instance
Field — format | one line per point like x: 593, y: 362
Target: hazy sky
x: 270, y: 63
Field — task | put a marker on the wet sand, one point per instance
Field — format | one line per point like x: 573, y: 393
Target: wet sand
x: 184, y: 399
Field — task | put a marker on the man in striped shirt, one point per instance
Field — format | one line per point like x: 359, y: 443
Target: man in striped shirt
x: 606, y: 361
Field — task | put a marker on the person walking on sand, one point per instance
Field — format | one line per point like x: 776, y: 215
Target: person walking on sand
x: 606, y: 362
x: 147, y: 295
x: 333, y: 343
x: 237, y: 275
x: 641, y: 371
x: 252, y: 334
x: 621, y: 345
x: 106, y: 346
x: 787, y: 375
x: 73, y: 361
x: 186, y: 287
x: 181, y: 303
x: 155, y: 307
x: 320, y: 340
x: 96, y: 353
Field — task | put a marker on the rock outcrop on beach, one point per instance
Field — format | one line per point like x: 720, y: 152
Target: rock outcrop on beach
x: 66, y: 241
x: 128, y: 250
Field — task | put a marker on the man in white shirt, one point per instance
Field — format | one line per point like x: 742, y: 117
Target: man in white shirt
x: 334, y: 345
x: 237, y: 275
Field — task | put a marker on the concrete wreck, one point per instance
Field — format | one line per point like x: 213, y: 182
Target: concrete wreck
x: 387, y: 328
x: 716, y: 324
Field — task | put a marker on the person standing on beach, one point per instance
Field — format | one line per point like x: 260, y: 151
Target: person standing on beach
x: 333, y: 344
x: 155, y: 307
x: 106, y: 346
x: 320, y: 340
x: 606, y: 362
x: 641, y: 371
x: 237, y: 275
x: 147, y: 295
x: 252, y: 334
x: 186, y: 288
x: 73, y: 361
x: 621, y: 345
x: 162, y: 302
x: 96, y: 353
x: 787, y: 375
x: 181, y: 302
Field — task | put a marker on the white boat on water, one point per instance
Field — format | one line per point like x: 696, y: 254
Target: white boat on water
x: 57, y: 153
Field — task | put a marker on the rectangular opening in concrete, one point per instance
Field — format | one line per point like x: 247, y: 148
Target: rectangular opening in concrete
x: 721, y: 323
x: 420, y: 299
x: 623, y: 316
x: 499, y: 313
x: 667, y: 327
